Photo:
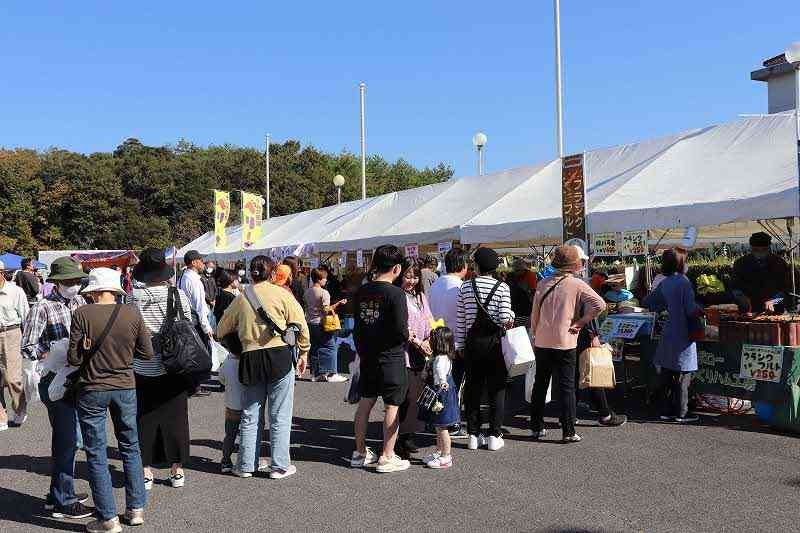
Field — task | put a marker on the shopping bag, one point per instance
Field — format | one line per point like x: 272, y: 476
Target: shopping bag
x: 218, y: 355
x: 530, y: 378
x: 597, y: 368
x: 30, y: 380
x: 517, y: 351
x: 58, y: 387
x: 353, y: 395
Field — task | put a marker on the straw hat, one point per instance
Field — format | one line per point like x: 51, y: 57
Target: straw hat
x: 103, y: 279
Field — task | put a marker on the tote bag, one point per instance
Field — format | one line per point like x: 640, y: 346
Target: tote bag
x: 517, y: 351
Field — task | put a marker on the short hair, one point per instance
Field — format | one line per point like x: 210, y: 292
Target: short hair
x: 455, y: 260
x: 261, y: 268
x: 26, y: 263
x: 411, y: 264
x: 224, y: 278
x: 292, y: 262
x: 673, y: 260
x: 318, y: 274
x: 430, y: 260
x: 385, y: 258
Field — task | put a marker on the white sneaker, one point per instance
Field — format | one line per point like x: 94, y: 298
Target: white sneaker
x: 360, y: 461
x: 282, y: 474
x: 476, y: 441
x: 263, y: 465
x: 20, y: 419
x: 441, y: 463
x: 148, y: 483
x: 387, y: 465
x: 320, y: 379
x: 495, y: 443
x: 431, y: 456
x: 239, y: 473
x: 337, y: 378
x: 3, y: 426
x: 177, y: 480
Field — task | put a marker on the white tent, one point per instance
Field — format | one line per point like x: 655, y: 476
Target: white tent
x: 738, y: 171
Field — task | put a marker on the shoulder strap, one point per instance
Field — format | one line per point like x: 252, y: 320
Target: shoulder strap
x: 104, y: 334
x: 255, y: 302
x: 551, y: 289
x: 484, y: 305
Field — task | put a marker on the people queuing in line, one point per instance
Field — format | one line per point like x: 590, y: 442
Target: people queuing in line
x: 13, y: 311
x: 322, y: 357
x: 418, y: 351
x: 267, y: 366
x: 104, y: 340
x: 563, y: 306
x: 162, y: 397
x: 411, y: 346
x: 428, y: 274
x: 209, y: 280
x: 484, y: 311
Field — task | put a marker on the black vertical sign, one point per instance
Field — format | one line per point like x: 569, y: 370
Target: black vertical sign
x: 573, y: 198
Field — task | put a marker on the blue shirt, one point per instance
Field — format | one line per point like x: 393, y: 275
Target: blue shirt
x: 675, y: 351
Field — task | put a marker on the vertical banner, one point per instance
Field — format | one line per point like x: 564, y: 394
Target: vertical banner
x: 343, y: 259
x: 573, y: 198
x: 222, y: 212
x: 360, y: 258
x: 412, y: 250
x: 252, y: 210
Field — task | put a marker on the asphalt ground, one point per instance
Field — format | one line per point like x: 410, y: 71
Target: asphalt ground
x: 723, y: 474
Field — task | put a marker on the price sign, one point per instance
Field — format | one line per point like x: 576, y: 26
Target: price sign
x: 605, y: 244
x: 627, y: 329
x: 617, y: 349
x: 762, y: 363
x: 444, y: 247
x: 343, y: 259
x: 634, y: 243
x: 606, y: 330
x: 412, y: 250
x: 360, y: 258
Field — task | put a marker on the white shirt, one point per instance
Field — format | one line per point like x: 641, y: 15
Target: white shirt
x: 13, y: 305
x: 442, y: 366
x: 443, y: 299
x: 229, y: 376
x: 192, y: 285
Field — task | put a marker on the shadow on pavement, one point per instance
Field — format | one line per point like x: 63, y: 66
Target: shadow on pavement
x: 25, y: 509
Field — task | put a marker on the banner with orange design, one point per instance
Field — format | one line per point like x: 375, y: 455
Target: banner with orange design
x: 222, y: 212
x: 252, y: 211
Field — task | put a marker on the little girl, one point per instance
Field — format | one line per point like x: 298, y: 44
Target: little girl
x: 229, y: 376
x: 443, y: 348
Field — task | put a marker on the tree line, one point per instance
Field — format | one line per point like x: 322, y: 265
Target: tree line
x: 139, y: 196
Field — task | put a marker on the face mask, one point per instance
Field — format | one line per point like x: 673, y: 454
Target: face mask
x: 242, y: 273
x: 760, y: 255
x: 209, y: 270
x: 69, y: 292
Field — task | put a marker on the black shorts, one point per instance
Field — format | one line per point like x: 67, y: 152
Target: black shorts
x: 387, y: 378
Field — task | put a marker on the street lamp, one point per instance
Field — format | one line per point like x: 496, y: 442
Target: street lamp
x: 338, y: 182
x: 479, y: 140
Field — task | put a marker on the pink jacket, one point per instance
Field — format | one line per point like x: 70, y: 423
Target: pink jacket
x: 419, y: 319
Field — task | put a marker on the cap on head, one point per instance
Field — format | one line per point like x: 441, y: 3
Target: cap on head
x: 760, y: 240
x: 191, y: 255
x: 487, y: 260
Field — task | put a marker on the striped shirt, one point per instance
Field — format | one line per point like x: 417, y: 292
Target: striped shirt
x: 152, y: 303
x: 499, y: 307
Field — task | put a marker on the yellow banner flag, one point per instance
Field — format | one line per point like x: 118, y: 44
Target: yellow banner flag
x: 222, y: 211
x: 252, y: 210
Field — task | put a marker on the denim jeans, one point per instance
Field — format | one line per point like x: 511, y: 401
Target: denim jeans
x: 93, y: 408
x: 278, y: 396
x: 63, y: 445
x: 322, y: 355
x: 232, y: 421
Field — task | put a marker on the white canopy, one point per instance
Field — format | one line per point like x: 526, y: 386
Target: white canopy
x: 739, y: 171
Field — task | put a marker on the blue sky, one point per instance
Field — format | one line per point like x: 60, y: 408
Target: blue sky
x: 86, y: 75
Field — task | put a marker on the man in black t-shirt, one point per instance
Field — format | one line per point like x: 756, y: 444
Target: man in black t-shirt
x: 381, y: 334
x: 27, y: 281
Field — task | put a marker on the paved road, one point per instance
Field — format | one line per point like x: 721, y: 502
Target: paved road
x: 722, y: 475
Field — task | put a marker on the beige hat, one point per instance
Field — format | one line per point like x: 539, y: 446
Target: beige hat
x: 103, y: 279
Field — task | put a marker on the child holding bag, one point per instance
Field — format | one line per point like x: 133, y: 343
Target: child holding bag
x: 441, y: 377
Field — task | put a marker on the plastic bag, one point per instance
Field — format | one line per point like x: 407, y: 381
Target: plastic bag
x: 517, y: 350
x: 57, y: 387
x: 353, y: 395
x: 56, y: 357
x: 218, y: 355
x: 30, y: 380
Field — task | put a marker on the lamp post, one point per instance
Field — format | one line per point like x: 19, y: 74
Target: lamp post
x: 479, y: 141
x: 266, y: 157
x: 338, y: 182
x: 559, y: 112
x: 792, y: 55
x: 362, y: 90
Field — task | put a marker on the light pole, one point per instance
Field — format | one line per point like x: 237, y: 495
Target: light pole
x: 362, y: 90
x: 266, y: 158
x: 559, y: 113
x: 479, y: 141
x: 338, y: 182
x: 792, y: 55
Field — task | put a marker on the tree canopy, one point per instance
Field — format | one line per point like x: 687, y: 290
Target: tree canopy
x: 142, y: 195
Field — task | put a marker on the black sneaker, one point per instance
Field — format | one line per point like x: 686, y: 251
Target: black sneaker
x: 50, y: 504
x: 73, y: 512
x: 688, y: 418
x: 613, y: 420
x: 458, y: 432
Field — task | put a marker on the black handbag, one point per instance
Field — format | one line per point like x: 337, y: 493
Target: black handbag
x: 182, y: 350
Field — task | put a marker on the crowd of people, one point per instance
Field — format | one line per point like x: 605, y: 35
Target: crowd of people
x: 425, y: 344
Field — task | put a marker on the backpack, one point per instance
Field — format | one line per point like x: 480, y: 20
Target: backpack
x: 181, y: 348
x: 521, y: 298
